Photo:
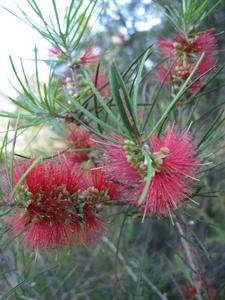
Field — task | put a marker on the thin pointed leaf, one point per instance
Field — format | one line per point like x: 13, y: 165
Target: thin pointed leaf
x: 37, y: 160
x: 84, y: 26
x: 211, y: 129
x: 176, y: 99
x: 4, y: 140
x: 13, y: 150
x: 57, y: 18
x: 148, y: 179
x: 103, y: 103
x: 119, y: 103
x: 91, y: 116
x: 136, y: 88
x: 127, y: 101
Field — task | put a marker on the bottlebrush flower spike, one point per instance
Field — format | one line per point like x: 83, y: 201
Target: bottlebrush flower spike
x: 50, y: 210
x: 102, y: 79
x: 184, y: 53
x: 174, y: 166
x: 90, y: 57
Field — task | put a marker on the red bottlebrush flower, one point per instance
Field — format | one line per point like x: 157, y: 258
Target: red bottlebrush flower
x: 190, y: 50
x: 184, y: 54
x: 205, y: 42
x: 102, y: 79
x: 82, y: 139
x: 117, y: 166
x: 90, y: 57
x: 51, y: 211
x: 174, y: 167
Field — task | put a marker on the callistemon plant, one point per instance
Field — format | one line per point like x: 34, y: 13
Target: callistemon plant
x: 174, y: 167
x: 55, y: 208
x: 123, y: 167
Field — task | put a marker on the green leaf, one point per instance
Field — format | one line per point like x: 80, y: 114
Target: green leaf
x: 6, y: 158
x: 190, y: 116
x: 103, y: 103
x: 4, y: 140
x: 77, y: 41
x: 211, y: 10
x: 20, y: 82
x: 217, y: 122
x: 126, y: 101
x: 57, y: 18
x: 95, y: 96
x: 6, y: 212
x: 148, y: 179
x: 71, y: 21
x: 37, y: 160
x: 176, y: 99
x: 200, y: 10
x: 68, y: 20
x: 92, y: 117
x: 37, y: 76
x: 135, y: 95
x: 134, y: 62
x: 89, y: 128
x: 13, y: 150
x: 170, y: 18
x: 160, y: 85
x: 118, y: 100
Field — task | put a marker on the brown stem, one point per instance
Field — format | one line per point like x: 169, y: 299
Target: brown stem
x: 190, y: 254
x: 73, y: 70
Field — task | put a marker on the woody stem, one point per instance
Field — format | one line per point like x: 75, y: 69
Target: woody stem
x: 73, y: 70
x: 189, y: 253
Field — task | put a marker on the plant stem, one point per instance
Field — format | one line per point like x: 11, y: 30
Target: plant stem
x: 189, y: 254
x: 73, y: 70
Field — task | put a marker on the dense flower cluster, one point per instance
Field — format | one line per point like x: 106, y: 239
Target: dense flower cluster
x: 174, y: 167
x: 54, y: 206
x: 183, y: 53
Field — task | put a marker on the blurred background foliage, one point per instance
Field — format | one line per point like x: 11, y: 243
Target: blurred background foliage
x: 136, y: 260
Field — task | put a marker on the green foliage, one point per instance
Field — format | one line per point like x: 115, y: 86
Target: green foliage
x: 189, y: 14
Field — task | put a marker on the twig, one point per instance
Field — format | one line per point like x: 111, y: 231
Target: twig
x: 73, y: 70
x: 189, y: 255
